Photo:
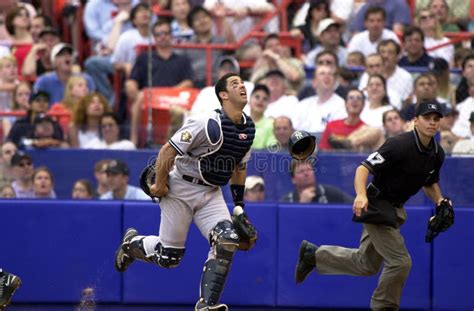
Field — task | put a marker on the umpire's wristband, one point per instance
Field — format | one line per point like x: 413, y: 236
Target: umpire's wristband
x: 238, y: 194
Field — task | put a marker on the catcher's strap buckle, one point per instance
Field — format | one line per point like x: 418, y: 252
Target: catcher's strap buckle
x: 195, y: 180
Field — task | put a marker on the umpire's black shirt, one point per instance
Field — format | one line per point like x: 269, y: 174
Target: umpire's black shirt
x: 403, y: 165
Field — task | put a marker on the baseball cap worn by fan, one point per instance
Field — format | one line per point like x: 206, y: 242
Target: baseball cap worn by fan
x: 428, y: 107
x: 60, y: 48
x: 325, y: 24
x: 117, y: 167
x: 252, y: 181
x: 231, y: 61
x: 39, y: 96
x: 18, y: 157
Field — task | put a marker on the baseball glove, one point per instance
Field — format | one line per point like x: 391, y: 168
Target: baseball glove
x: 244, y: 228
x: 441, y: 221
x: 147, y: 179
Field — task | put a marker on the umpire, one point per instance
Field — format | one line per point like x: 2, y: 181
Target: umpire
x: 401, y: 166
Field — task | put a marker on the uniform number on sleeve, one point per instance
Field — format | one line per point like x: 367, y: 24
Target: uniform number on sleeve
x: 375, y: 158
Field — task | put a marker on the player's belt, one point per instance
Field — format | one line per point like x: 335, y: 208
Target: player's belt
x: 195, y: 180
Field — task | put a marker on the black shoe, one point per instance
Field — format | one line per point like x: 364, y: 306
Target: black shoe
x: 306, y: 261
x: 201, y: 306
x: 122, y: 259
x: 9, y: 283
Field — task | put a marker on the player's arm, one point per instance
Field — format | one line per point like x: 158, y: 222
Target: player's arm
x: 433, y: 192
x: 237, y: 184
x: 360, y: 186
x: 163, y: 165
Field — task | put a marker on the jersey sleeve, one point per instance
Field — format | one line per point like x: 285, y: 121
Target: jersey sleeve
x: 192, y: 134
x: 387, y: 155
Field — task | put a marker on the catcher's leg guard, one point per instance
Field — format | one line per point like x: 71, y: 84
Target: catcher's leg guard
x: 224, y: 242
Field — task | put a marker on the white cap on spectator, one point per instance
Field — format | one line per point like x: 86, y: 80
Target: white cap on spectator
x: 60, y: 47
x: 325, y: 24
x: 252, y: 181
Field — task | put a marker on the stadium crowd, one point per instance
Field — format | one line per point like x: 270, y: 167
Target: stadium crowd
x: 349, y: 71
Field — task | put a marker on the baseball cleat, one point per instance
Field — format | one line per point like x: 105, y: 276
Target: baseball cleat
x: 201, y: 306
x: 9, y: 283
x: 306, y: 261
x: 122, y: 259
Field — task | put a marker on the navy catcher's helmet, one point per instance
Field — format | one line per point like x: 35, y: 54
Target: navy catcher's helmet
x: 301, y: 145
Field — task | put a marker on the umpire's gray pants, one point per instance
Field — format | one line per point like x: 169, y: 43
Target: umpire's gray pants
x: 187, y: 202
x: 378, y: 244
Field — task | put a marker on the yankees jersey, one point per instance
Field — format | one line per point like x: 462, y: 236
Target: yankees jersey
x: 210, y: 146
x: 403, y: 165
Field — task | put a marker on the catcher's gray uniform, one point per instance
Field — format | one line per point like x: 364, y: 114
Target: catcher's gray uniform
x: 209, y: 146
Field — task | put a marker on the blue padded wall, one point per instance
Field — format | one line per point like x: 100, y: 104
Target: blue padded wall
x: 453, y: 260
x: 332, y: 225
x: 59, y: 248
x: 253, y: 274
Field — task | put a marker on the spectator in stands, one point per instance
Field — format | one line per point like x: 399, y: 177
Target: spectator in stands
x: 86, y: 117
x: 307, y: 188
x: 120, y: 52
x: 207, y: 99
x: 8, y: 81
x: 254, y: 189
x: 240, y: 13
x: 263, y: 125
x: 355, y: 59
x: 100, y: 20
x: 38, y: 60
x: 397, y: 15
x: 434, y: 36
x: 181, y: 30
x: 6, y: 172
x: 101, y: 178
x: 53, y: 83
x: 22, y: 165
x: 313, y: 113
x: 466, y: 146
x: 413, y: 46
x: 75, y: 90
x: 168, y: 70
x: 43, y: 183
x: 350, y: 133
x: 47, y: 133
x: 82, y: 190
x: 440, y: 9
x: 446, y: 91
x: 453, y: 14
x: 341, y: 11
x: 462, y: 90
x: 368, y: 40
x: 393, y: 123
x: 377, y: 101
x: 329, y: 33
x: 424, y: 90
x: 38, y: 24
x: 448, y: 138
x: 273, y: 57
x: 201, y: 22
x: 18, y: 25
x: 462, y: 127
x: 110, y: 136
x: 23, y: 129
x: 399, y: 81
x: 7, y: 192
x: 280, y: 102
x: 373, y: 65
x: 117, y: 177
x: 21, y: 96
x: 318, y: 10
x: 282, y: 130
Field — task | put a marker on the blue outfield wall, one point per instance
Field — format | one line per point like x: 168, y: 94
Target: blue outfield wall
x: 61, y: 247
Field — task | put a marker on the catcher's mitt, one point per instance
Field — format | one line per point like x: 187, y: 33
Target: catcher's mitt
x: 147, y: 179
x: 441, y: 221
x: 246, y: 231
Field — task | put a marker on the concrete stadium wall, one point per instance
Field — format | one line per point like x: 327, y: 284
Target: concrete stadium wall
x: 61, y: 247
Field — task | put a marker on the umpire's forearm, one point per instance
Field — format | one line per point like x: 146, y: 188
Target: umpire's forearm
x: 360, y: 180
x: 164, y: 163
x: 433, y: 192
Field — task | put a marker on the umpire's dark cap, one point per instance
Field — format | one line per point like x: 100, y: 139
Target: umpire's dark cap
x: 428, y: 107
x: 471, y: 118
x: 117, y: 167
x: 18, y: 157
x: 39, y: 95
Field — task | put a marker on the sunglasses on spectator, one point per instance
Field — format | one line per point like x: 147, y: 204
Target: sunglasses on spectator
x: 425, y: 17
x: 161, y: 33
x: 22, y: 14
